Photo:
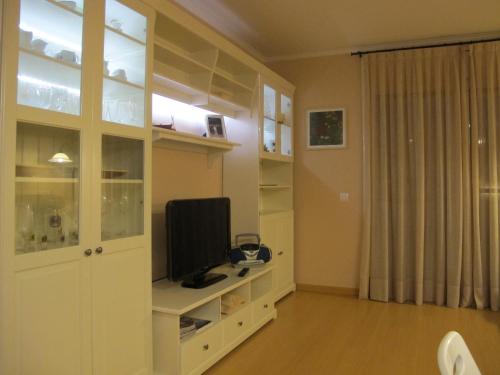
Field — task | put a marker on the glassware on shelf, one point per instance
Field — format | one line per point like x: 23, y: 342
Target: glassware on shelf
x: 50, y: 40
x: 122, y: 188
x: 269, y: 102
x: 286, y: 140
x: 269, y: 135
x: 47, y: 190
x: 124, y: 65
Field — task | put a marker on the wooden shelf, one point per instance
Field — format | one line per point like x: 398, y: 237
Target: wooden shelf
x: 189, y: 142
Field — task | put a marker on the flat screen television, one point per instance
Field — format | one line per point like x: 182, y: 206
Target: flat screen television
x: 198, y: 239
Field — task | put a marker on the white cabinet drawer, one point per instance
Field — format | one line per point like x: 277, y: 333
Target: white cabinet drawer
x: 237, y: 324
x: 200, y: 348
x: 262, y: 307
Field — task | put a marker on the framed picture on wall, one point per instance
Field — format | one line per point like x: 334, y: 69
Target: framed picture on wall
x: 326, y: 129
x: 216, y: 127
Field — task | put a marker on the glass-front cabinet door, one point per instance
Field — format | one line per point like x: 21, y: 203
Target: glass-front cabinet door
x: 47, y: 188
x: 50, y: 55
x: 122, y: 187
x: 285, y: 122
x: 269, y: 126
x: 124, y: 65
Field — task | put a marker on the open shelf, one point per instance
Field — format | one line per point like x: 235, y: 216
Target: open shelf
x: 235, y: 71
x: 174, y: 139
x: 183, y: 72
x: 183, y: 42
x: 231, y: 92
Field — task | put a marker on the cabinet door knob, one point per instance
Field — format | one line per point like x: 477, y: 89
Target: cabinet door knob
x: 280, y: 253
x: 205, y: 347
x: 98, y: 250
x: 240, y: 323
x: 266, y: 306
x: 88, y: 252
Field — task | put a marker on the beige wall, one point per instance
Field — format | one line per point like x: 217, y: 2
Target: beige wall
x: 327, y: 231
x: 178, y: 175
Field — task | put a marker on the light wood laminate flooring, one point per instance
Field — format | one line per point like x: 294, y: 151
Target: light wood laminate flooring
x: 325, y: 334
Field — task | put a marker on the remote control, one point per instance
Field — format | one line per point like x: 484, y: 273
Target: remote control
x: 243, y: 271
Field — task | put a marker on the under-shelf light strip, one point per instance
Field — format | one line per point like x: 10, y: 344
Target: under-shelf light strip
x: 39, y: 82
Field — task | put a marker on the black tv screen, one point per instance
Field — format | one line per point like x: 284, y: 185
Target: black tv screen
x: 198, y: 236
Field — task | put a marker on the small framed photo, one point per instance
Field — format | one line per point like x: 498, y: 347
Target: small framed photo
x: 216, y: 127
x: 326, y: 129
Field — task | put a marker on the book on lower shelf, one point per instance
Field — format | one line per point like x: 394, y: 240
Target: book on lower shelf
x: 189, y: 326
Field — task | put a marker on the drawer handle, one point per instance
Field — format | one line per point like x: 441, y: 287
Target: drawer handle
x: 266, y: 306
x: 205, y: 347
x: 240, y: 323
x: 280, y: 253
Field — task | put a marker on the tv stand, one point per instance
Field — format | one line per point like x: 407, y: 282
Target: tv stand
x: 203, y: 280
x: 195, y: 353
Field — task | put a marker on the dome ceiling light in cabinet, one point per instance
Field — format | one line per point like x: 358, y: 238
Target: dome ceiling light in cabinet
x: 60, y: 158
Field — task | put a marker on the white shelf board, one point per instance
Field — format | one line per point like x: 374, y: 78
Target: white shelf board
x: 121, y: 181
x: 277, y: 157
x: 273, y: 212
x: 174, y: 139
x: 116, y: 88
x: 172, y: 298
x: 45, y: 68
x: 162, y: 43
x: 47, y: 180
x: 179, y: 91
x: 51, y: 59
x: 275, y: 187
x: 230, y: 77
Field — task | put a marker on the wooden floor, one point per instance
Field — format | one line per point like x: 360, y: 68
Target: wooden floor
x: 324, y: 334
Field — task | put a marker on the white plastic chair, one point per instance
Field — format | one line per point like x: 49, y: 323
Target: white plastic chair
x: 454, y: 357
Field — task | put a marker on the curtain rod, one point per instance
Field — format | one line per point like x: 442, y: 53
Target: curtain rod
x: 361, y: 53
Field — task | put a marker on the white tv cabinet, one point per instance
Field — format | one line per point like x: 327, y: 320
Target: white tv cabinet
x: 196, y: 353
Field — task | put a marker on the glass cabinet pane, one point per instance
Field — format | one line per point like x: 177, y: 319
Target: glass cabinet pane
x: 269, y: 135
x: 286, y: 140
x: 124, y: 65
x: 47, y: 187
x: 286, y: 110
x: 269, y: 103
x: 50, y: 54
x: 122, y: 194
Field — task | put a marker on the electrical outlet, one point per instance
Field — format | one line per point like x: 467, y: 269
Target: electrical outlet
x: 344, y: 197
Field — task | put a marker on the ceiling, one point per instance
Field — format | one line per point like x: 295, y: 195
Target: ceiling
x: 284, y: 29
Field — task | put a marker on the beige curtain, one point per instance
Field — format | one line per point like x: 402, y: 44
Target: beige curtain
x: 485, y: 146
x: 417, y: 210
x: 431, y: 138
